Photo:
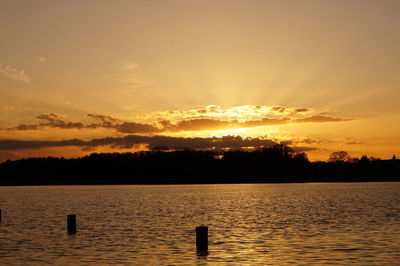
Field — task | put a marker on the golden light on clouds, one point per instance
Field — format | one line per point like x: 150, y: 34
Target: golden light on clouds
x: 242, y: 113
x: 248, y: 126
x: 211, y: 117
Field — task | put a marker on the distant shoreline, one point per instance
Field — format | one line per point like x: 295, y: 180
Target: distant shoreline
x: 194, y: 167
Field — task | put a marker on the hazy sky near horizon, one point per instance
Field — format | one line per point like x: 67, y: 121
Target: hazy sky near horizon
x: 321, y: 75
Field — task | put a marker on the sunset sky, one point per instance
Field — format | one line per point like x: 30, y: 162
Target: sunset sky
x: 78, y: 77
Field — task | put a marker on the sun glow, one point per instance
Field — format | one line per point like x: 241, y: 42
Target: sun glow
x: 243, y: 132
x: 241, y: 113
x: 268, y: 132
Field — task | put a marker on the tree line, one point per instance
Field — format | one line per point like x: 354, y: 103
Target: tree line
x: 162, y: 166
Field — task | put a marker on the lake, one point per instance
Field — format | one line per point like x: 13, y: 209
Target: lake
x: 249, y: 224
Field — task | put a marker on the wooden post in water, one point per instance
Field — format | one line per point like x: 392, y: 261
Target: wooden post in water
x: 71, y: 223
x: 202, y: 240
x: 0, y: 215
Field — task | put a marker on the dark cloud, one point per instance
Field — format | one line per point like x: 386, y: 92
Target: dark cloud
x: 37, y: 144
x: 132, y: 127
x: 212, y: 124
x: 103, y: 118
x: 50, y: 120
x: 279, y: 109
x: 321, y: 119
x: 23, y: 127
x: 197, y: 124
x: 233, y: 142
x: 308, y: 141
x: 51, y: 117
x: 88, y: 148
x: 206, y: 143
x: 303, y: 149
x: 105, y: 121
x: 300, y: 110
x: 56, y: 121
x: 293, y: 111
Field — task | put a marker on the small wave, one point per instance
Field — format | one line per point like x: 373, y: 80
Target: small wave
x: 347, y: 249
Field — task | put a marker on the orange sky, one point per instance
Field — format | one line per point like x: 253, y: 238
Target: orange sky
x: 127, y: 75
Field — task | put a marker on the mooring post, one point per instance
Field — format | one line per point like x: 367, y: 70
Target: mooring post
x: 202, y: 240
x: 71, y: 223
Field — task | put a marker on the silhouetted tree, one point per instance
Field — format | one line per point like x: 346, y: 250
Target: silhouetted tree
x: 339, y: 157
x: 364, y: 159
x: 300, y: 156
x: 372, y: 158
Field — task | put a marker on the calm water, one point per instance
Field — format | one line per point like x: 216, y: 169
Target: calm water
x: 344, y: 223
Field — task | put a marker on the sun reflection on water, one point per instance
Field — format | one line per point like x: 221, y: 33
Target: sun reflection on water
x: 248, y: 224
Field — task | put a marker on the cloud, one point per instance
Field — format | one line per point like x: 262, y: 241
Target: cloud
x: 132, y: 127
x: 88, y: 148
x: 133, y: 81
x: 303, y: 148
x: 214, y: 124
x: 241, y: 113
x: 200, y: 124
x: 131, y: 78
x: 129, y: 141
x: 301, y: 110
x: 278, y: 109
x: 8, y: 108
x: 37, y: 144
x: 290, y: 110
x: 211, y: 124
x: 199, y: 143
x: 15, y: 74
x: 305, y: 140
x: 349, y: 141
x: 52, y: 120
x: 321, y: 119
x: 23, y: 127
x: 208, y: 118
x: 354, y: 143
x: 130, y: 66
x: 266, y: 122
x: 105, y: 121
x: 57, y: 121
